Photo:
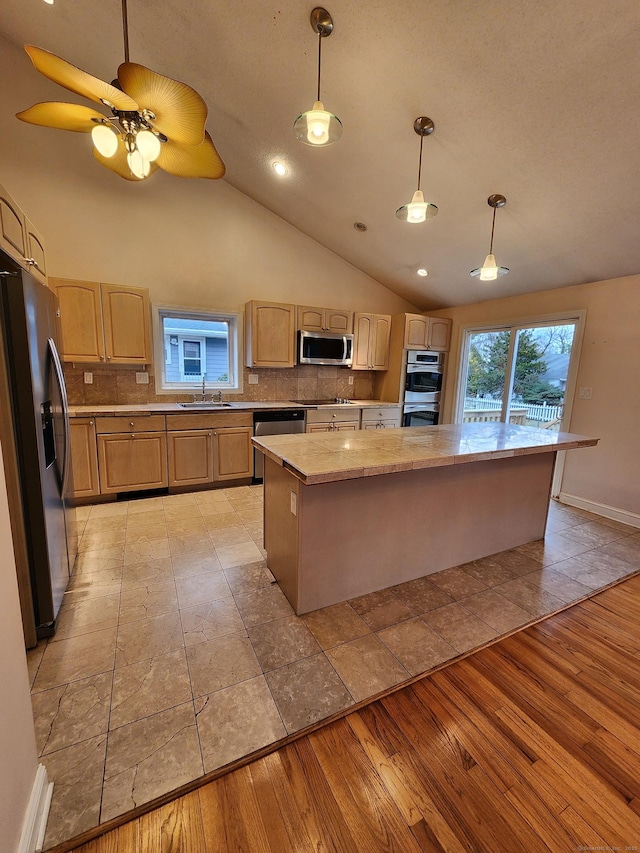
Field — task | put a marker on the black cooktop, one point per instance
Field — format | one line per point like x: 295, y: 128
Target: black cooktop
x: 333, y: 402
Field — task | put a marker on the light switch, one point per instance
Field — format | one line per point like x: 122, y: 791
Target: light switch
x: 294, y: 503
x: 142, y: 377
x: 88, y: 378
x: 253, y: 379
x: 584, y: 393
x: 351, y: 380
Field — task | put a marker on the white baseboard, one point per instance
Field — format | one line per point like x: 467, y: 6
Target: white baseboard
x: 35, y: 821
x: 612, y: 512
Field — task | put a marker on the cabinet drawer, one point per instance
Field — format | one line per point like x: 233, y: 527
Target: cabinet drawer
x: 384, y: 413
x: 210, y: 420
x: 135, y: 423
x: 320, y: 416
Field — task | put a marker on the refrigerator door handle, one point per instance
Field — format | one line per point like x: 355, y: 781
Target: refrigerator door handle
x: 57, y: 368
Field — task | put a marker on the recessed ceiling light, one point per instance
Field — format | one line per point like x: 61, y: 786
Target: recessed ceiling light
x: 423, y: 272
x: 49, y: 2
x: 279, y: 168
x: 359, y: 226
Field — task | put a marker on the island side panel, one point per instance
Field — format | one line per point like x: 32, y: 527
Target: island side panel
x: 358, y: 536
x: 281, y: 527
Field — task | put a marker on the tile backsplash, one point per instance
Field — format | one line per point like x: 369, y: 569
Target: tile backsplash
x: 117, y: 386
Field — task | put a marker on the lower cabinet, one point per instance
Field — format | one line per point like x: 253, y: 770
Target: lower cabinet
x: 132, y: 461
x: 385, y: 417
x: 84, y: 458
x: 333, y: 420
x: 190, y: 456
x: 216, y: 448
x: 232, y: 453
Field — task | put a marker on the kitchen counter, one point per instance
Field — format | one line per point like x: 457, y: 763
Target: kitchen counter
x: 322, y: 458
x: 349, y: 515
x: 241, y: 406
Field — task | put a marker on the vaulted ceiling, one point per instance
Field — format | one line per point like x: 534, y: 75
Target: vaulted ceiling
x: 537, y: 101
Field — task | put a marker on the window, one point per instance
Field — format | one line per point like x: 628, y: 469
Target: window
x: 193, y: 346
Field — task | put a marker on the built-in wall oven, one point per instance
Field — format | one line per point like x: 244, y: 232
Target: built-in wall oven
x: 423, y: 387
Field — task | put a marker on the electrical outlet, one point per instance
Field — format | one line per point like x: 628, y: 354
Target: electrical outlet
x: 142, y: 378
x: 88, y: 378
x: 253, y: 379
x: 351, y: 380
x: 584, y: 393
x: 294, y: 503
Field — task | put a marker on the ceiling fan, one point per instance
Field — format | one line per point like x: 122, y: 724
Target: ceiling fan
x: 155, y: 122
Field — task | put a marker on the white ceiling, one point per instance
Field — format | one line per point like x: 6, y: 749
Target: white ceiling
x: 539, y: 101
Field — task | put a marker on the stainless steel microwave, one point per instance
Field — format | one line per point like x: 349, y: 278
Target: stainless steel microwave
x: 323, y: 348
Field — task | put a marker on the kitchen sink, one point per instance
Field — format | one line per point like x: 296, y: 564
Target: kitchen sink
x: 206, y: 404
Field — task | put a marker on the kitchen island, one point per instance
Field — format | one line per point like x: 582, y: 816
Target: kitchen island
x: 346, y: 515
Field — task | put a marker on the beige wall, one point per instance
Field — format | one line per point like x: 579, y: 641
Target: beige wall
x: 609, y: 364
x: 18, y: 757
x: 191, y: 242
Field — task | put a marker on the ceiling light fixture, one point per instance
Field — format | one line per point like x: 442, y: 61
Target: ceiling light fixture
x: 279, y: 168
x: 490, y: 271
x: 318, y: 126
x: 155, y: 121
x: 418, y: 210
x: 422, y: 272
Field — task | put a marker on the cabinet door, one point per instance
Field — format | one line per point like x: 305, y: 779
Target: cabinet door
x: 35, y: 257
x: 346, y: 426
x: 271, y: 330
x: 439, y: 334
x: 380, y: 342
x: 80, y: 320
x: 322, y: 427
x: 311, y: 319
x: 190, y: 456
x: 84, y: 458
x: 132, y: 461
x: 416, y: 331
x: 232, y: 453
x: 12, y: 238
x: 380, y: 425
x: 338, y: 322
x: 363, y: 326
x: 126, y: 324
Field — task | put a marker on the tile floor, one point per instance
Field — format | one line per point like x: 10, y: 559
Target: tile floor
x: 175, y: 654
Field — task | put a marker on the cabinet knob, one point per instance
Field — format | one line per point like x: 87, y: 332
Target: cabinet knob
x: 132, y: 435
x: 131, y: 423
x: 90, y: 423
x: 31, y: 262
x: 108, y: 358
x: 333, y: 416
x: 101, y: 358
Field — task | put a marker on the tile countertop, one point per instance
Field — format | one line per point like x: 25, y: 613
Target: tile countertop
x: 240, y: 406
x: 324, y: 458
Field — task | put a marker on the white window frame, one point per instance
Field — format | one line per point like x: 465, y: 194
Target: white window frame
x: 578, y: 317
x: 235, y: 347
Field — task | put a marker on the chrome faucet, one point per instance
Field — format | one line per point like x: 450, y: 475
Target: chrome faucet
x: 217, y: 397
x: 204, y: 396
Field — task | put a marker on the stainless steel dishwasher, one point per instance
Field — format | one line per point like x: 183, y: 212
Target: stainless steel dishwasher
x: 279, y: 422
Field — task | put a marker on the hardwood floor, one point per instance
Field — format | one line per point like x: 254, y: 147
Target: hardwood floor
x: 531, y: 744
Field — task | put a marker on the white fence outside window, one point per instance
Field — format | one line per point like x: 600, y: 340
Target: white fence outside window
x: 539, y: 412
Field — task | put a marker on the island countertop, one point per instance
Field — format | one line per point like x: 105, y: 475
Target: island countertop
x: 325, y: 457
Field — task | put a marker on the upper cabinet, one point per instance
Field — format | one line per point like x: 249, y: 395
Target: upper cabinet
x: 332, y: 320
x: 103, y: 322
x: 20, y: 239
x: 270, y: 329
x: 371, y: 344
x: 430, y: 333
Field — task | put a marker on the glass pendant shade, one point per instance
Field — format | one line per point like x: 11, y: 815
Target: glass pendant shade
x: 105, y: 139
x: 490, y: 270
x: 148, y: 145
x: 317, y: 126
x: 418, y: 210
x: 138, y: 165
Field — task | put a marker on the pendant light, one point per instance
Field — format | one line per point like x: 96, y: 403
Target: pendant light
x: 490, y: 271
x: 317, y: 126
x: 418, y: 210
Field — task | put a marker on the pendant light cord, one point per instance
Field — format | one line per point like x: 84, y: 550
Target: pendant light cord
x: 319, y: 58
x: 125, y: 30
x: 420, y: 161
x: 493, y: 225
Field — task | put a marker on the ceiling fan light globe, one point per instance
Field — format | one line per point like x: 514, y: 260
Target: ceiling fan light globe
x: 148, y: 145
x: 105, y: 139
x: 140, y: 167
x: 317, y: 126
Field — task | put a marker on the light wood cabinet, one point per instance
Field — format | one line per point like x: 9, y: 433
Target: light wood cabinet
x: 333, y: 420
x: 190, y: 457
x: 331, y: 320
x: 132, y: 461
x: 84, y: 458
x: 270, y: 329
x: 334, y: 426
x: 427, y: 333
x: 20, y: 239
x: 103, y: 322
x: 385, y: 417
x: 371, y: 345
x: 232, y: 453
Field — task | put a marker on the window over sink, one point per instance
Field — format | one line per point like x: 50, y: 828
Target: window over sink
x: 195, y: 347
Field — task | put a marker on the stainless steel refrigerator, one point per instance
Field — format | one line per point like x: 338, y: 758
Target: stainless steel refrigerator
x: 34, y: 430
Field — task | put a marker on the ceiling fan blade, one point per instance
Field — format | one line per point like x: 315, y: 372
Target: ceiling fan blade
x: 180, y: 112
x: 78, y: 81
x: 191, y: 161
x: 63, y: 116
x: 118, y: 163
